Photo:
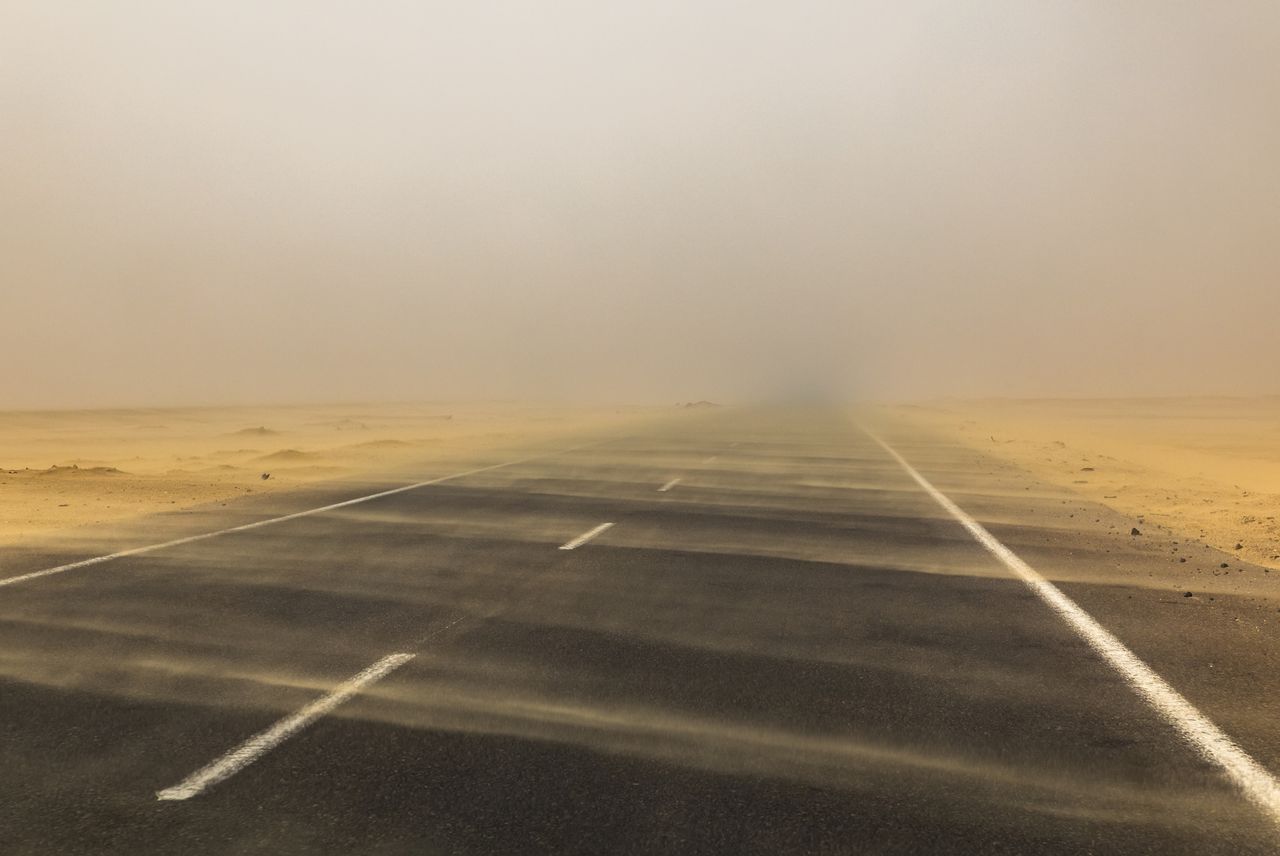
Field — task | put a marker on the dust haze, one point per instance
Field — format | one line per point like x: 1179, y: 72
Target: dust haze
x: 241, y: 202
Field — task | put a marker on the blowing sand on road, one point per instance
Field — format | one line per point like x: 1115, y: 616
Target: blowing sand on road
x: 639, y: 428
x: 812, y: 640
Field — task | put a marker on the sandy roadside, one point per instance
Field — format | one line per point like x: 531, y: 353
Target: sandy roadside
x: 1208, y: 468
x: 65, y: 469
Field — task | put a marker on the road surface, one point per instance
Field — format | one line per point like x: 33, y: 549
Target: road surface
x: 748, y: 631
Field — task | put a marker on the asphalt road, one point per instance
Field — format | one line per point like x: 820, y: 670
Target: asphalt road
x: 791, y: 649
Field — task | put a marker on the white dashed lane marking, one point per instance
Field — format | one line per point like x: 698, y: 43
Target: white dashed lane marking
x: 585, y: 537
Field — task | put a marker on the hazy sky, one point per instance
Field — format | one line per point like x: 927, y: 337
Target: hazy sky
x: 255, y: 201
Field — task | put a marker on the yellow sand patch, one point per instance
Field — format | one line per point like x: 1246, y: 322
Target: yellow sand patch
x: 62, y: 469
x: 1205, y: 467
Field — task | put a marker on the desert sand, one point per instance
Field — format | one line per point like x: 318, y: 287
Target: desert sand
x: 65, y: 469
x: 1207, y: 468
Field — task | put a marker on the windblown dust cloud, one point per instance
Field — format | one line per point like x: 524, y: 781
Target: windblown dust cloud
x: 223, y: 202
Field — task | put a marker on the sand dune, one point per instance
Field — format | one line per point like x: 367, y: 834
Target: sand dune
x: 289, y: 455
x: 260, y: 431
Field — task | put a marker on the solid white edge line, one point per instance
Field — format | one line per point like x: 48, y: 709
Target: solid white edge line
x: 585, y: 537
x: 1251, y: 778
x: 666, y: 487
x: 258, y: 745
x: 137, y: 551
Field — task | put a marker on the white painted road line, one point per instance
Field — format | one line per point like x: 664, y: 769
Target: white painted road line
x: 150, y: 548
x: 260, y: 744
x: 666, y: 487
x: 585, y: 537
x: 1254, y: 781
